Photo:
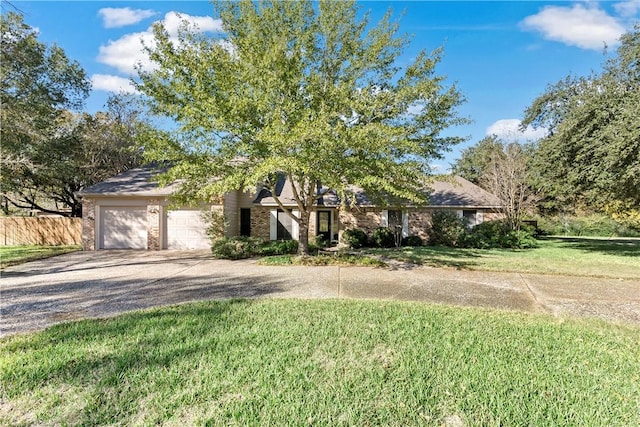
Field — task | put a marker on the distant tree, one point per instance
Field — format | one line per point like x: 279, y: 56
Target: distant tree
x: 83, y: 149
x: 50, y: 150
x: 300, y: 89
x: 506, y: 175
x: 475, y: 160
x: 592, y: 153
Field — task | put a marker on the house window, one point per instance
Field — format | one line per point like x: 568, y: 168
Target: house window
x: 394, y: 219
x: 471, y: 217
x: 285, y: 226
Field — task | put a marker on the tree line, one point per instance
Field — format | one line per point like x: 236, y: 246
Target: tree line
x: 589, y: 160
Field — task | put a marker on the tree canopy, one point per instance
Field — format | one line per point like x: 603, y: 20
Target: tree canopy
x: 592, y: 153
x: 305, y: 90
x: 49, y: 149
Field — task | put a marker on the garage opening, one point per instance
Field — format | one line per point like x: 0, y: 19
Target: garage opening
x: 123, y: 228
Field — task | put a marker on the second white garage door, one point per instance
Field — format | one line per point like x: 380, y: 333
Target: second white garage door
x: 186, y: 230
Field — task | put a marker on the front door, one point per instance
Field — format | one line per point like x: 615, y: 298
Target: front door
x: 323, y: 226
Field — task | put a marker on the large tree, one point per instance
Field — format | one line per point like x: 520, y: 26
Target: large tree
x: 83, y: 149
x: 592, y: 153
x: 305, y: 90
x: 474, y: 161
x: 49, y: 149
x: 38, y: 86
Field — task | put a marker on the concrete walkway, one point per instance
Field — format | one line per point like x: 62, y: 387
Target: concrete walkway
x: 106, y: 283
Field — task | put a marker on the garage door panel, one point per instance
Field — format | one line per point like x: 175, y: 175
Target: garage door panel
x: 123, y: 228
x: 186, y: 230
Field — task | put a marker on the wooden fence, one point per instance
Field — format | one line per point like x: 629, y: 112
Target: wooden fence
x: 51, y: 231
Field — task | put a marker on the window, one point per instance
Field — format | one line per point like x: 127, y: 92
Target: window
x: 285, y: 226
x: 394, y: 219
x: 472, y: 217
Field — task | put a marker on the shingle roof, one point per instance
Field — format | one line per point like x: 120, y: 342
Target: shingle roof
x: 134, y: 182
x: 451, y: 191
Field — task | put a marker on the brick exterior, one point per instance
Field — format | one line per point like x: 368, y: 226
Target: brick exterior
x: 260, y: 220
x: 154, y: 214
x: 88, y: 224
x: 367, y: 219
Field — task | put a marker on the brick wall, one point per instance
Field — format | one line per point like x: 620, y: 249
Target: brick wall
x: 260, y: 220
x: 88, y: 224
x: 154, y: 213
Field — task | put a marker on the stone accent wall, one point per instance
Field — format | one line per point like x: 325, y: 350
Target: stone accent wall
x: 88, y: 224
x: 154, y: 212
x: 260, y: 218
x: 367, y: 219
x: 420, y: 223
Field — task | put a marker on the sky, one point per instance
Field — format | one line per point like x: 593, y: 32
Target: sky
x: 500, y: 54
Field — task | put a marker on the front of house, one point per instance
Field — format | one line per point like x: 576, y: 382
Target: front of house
x: 130, y: 211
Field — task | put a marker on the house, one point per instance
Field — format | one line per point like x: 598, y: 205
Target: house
x: 130, y: 211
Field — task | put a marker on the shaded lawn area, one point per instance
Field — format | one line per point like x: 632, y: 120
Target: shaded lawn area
x: 12, y: 255
x: 294, y: 362
x: 615, y: 258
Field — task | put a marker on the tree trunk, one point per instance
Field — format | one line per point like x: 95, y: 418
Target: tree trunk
x: 303, y: 234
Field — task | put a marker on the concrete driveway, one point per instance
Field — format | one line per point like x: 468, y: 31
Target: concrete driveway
x: 100, y: 284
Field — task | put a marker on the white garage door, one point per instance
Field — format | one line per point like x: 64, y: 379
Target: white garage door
x: 186, y: 230
x: 123, y: 228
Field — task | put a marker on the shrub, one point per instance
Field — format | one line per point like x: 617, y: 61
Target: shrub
x: 247, y: 247
x: 496, y: 234
x: 235, y: 247
x: 412, y: 241
x: 446, y: 228
x: 383, y: 237
x: 279, y: 247
x: 355, y: 238
x: 595, y: 225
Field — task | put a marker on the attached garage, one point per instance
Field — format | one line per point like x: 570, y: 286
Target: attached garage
x: 186, y: 230
x: 131, y: 211
x: 123, y: 227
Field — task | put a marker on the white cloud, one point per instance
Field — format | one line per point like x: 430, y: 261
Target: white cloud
x: 509, y: 130
x: 628, y: 9
x: 124, y: 53
x: 119, y: 17
x: 587, y: 28
x: 109, y: 83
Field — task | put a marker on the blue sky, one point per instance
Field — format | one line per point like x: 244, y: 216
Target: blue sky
x: 500, y: 54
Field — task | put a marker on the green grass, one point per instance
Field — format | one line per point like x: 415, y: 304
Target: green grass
x: 615, y: 258
x: 12, y: 255
x: 293, y: 362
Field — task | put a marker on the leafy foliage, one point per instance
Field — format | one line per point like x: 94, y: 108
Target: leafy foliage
x: 474, y: 162
x: 355, y: 238
x: 592, y: 154
x: 498, y: 234
x: 304, y: 90
x: 412, y: 240
x: 49, y: 152
x: 383, y: 237
x: 594, y: 225
x: 247, y: 247
x: 447, y: 228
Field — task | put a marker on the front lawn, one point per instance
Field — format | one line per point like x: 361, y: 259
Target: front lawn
x: 293, y: 362
x: 610, y: 258
x: 12, y: 255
